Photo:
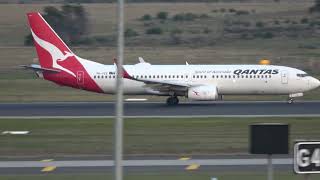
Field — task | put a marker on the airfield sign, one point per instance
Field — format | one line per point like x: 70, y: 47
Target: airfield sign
x: 307, y: 157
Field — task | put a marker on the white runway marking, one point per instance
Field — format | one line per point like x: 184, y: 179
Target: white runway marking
x: 15, y: 132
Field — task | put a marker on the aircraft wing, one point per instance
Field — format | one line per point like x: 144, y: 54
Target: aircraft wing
x: 158, y: 85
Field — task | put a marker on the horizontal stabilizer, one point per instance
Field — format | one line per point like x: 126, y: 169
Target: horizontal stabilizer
x: 36, y: 67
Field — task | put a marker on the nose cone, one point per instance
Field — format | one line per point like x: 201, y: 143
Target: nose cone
x: 314, y: 83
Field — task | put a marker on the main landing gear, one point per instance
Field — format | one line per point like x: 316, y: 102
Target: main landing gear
x: 173, y: 100
x: 290, y: 100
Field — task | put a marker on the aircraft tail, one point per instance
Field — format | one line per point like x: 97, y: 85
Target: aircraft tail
x: 55, y: 55
x: 47, y: 42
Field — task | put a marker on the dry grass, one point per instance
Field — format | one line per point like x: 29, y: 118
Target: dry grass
x: 13, y: 25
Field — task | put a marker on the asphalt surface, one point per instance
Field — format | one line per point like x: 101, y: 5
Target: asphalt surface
x: 169, y: 165
x: 151, y: 109
x: 159, y: 109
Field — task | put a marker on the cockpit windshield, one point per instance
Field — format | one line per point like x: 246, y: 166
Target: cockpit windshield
x: 302, y: 75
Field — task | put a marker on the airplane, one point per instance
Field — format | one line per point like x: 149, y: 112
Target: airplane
x: 195, y: 82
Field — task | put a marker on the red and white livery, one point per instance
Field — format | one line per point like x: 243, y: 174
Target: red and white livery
x: 196, y: 82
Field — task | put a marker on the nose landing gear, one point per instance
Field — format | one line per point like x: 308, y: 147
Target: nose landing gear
x: 292, y: 96
x: 173, y: 100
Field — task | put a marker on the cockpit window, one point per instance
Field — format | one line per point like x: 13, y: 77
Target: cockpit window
x: 302, y: 75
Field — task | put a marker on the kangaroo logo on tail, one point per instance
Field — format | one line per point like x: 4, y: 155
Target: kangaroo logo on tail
x: 55, y: 53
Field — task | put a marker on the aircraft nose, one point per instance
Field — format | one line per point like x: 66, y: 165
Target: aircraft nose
x: 315, y: 83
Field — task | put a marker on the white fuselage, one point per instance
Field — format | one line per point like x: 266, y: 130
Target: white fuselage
x: 229, y: 79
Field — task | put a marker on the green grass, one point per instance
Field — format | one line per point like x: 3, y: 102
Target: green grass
x: 142, y: 136
x: 229, y: 175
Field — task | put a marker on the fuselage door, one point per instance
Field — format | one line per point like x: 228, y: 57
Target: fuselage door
x: 284, y: 77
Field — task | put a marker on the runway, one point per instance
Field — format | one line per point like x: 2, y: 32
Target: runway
x: 81, y: 166
x: 160, y: 109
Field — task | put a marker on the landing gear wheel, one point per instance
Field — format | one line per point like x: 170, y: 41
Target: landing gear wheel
x: 172, y: 101
x: 290, y: 101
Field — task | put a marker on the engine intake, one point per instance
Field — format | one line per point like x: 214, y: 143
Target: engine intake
x: 203, y: 93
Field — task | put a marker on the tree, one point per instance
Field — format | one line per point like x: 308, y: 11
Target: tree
x: 130, y: 33
x: 146, y: 17
x: 70, y: 22
x: 315, y: 8
x: 162, y: 15
x: 154, y: 30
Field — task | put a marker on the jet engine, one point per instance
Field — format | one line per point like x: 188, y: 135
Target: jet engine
x: 203, y: 93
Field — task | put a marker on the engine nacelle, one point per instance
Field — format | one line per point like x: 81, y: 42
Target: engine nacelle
x: 203, y: 93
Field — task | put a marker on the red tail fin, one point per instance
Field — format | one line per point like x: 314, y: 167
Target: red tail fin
x: 54, y: 54
x: 50, y: 47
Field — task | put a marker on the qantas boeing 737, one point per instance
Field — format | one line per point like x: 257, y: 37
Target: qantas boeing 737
x: 196, y: 82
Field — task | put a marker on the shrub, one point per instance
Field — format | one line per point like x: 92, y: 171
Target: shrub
x: 175, y: 39
x: 264, y: 35
x: 178, y: 17
x: 146, y: 17
x: 268, y: 35
x: 130, y: 33
x: 190, y: 16
x: 304, y: 20
x: 162, y: 15
x: 185, y: 17
x: 242, y: 23
x: 232, y: 10
x: 244, y: 36
x: 315, y: 8
x: 242, y: 12
x: 204, y: 16
x: 28, y: 40
x: 176, y: 31
x: 70, y: 21
x: 206, y: 30
x: 259, y: 24
x: 308, y: 46
x: 154, y: 30
x: 276, y: 22
x: 287, y: 21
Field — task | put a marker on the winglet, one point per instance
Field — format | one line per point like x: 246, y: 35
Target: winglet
x: 125, y: 74
x: 141, y: 60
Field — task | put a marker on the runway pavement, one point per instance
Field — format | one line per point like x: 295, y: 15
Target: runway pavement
x: 160, y: 109
x: 81, y: 166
